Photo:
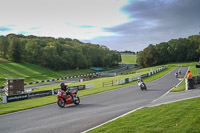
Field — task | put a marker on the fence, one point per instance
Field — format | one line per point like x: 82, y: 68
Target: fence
x: 109, y: 83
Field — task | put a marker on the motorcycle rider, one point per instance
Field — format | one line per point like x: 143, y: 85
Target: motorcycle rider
x: 176, y: 74
x: 140, y: 81
x: 66, y: 91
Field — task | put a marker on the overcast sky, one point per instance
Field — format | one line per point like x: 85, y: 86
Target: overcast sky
x: 118, y: 24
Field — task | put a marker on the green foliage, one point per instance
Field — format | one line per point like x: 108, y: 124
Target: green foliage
x: 3, y: 46
x: 175, y: 50
x: 57, y: 54
x: 14, y: 53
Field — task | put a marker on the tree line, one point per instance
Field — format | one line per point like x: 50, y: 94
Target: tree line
x: 128, y: 52
x: 57, y: 54
x: 175, y: 50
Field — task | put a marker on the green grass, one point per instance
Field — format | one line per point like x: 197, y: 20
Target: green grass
x: 2, y: 60
x: 33, y: 73
x: 128, y: 58
x: 181, y: 87
x: 31, y: 103
x: 179, y: 117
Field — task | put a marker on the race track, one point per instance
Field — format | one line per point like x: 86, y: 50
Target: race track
x: 92, y: 111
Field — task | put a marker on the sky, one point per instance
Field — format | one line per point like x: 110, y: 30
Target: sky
x: 118, y: 24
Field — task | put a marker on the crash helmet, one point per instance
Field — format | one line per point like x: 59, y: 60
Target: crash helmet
x: 63, y: 86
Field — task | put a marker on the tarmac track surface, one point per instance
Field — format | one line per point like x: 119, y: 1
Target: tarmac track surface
x: 92, y: 111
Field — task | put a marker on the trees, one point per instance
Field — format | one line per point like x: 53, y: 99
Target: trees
x: 140, y: 59
x: 14, y: 49
x: 162, y: 53
x: 175, y: 50
x: 149, y: 59
x: 3, y: 46
x: 32, y: 50
x: 58, y: 54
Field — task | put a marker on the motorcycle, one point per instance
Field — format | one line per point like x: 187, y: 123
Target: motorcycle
x: 67, y: 97
x: 142, y: 86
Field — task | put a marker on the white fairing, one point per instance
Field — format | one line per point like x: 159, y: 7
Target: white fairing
x: 59, y: 92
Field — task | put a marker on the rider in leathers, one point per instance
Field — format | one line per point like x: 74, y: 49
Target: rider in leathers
x: 66, y: 91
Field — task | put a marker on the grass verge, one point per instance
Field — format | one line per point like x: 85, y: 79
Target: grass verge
x: 181, y: 87
x: 178, y: 117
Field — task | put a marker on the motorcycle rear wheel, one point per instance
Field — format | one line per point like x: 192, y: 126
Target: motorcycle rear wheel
x: 61, y: 103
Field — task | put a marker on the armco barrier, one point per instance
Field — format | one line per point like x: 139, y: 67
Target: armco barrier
x: 144, y: 75
x: 130, y: 79
x: 122, y: 81
x: 127, y: 80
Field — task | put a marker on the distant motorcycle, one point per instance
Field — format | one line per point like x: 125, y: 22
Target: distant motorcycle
x: 142, y: 85
x: 67, y: 97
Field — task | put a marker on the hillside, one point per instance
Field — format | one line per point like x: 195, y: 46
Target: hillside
x: 128, y: 58
x: 33, y: 72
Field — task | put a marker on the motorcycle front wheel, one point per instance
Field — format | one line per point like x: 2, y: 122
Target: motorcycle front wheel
x: 61, y: 103
x: 77, y: 101
x: 145, y: 87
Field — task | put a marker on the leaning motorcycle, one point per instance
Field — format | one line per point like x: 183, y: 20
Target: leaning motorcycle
x: 64, y: 98
x: 142, y: 86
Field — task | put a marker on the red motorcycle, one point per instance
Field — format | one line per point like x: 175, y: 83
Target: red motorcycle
x: 67, y: 97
